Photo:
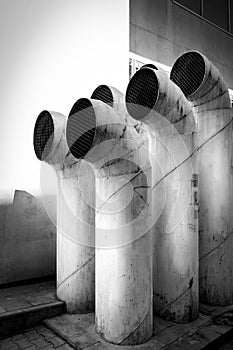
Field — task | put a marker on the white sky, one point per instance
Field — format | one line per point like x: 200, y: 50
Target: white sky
x: 52, y: 53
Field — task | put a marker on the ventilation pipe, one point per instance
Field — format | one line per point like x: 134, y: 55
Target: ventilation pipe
x: 75, y: 214
x: 112, y: 96
x: 203, y: 85
x: 175, y: 236
x: 109, y: 141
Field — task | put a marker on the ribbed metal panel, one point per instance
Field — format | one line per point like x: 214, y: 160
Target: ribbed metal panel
x: 43, y: 135
x: 81, y: 125
x: 104, y: 94
x: 142, y: 91
x: 188, y: 72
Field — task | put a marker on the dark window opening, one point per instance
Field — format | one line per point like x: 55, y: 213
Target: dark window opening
x: 193, y: 5
x: 217, y: 12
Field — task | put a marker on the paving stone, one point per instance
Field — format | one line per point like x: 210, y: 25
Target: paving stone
x: 46, y: 333
x: 84, y: 340
x: 56, y: 341
x: 23, y: 343
x: 40, y: 343
x: 18, y: 303
x: 206, y: 309
x: 8, y: 344
x: 201, y: 321
x: 67, y: 325
x: 159, y: 324
x: 17, y: 337
x: 221, y: 329
x: 186, y: 343
x: 104, y: 346
x: 32, y: 335
x: 208, y: 333
x: 173, y: 333
x: 10, y: 347
x: 39, y: 299
x: 65, y: 347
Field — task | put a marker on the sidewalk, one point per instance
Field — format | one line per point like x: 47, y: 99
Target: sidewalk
x: 213, y: 324
x: 36, y: 338
x: 26, y: 306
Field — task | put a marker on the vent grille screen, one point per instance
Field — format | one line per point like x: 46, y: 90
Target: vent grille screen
x: 43, y: 135
x: 142, y: 93
x: 104, y: 94
x: 188, y: 72
x: 81, y: 127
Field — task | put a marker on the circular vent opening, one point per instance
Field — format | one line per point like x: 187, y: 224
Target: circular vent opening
x: 188, y: 72
x: 142, y: 93
x: 104, y: 94
x: 81, y: 126
x: 43, y: 135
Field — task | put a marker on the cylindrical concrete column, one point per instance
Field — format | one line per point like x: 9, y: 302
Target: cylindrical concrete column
x: 123, y: 204
x: 75, y: 214
x: 203, y: 85
x: 152, y: 98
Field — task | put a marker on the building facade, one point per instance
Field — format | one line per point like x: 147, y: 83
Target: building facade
x: 161, y: 30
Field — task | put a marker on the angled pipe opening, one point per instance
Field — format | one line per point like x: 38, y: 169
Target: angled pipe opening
x: 189, y: 72
x: 151, y: 89
x: 142, y: 93
x: 200, y: 81
x: 81, y: 128
x: 103, y: 93
x: 43, y: 135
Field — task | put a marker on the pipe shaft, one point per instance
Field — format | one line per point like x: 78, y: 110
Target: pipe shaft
x: 211, y: 104
x: 156, y: 100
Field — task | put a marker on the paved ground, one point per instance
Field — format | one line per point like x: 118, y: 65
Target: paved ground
x: 26, y: 306
x: 79, y: 331
x: 22, y: 297
x: 35, y: 338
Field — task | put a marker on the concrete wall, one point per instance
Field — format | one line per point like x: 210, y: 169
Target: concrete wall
x: 27, y: 237
x: 160, y: 30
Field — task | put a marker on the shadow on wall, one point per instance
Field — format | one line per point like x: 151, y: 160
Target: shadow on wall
x: 27, y: 238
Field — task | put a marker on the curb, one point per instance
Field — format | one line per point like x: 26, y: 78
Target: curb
x: 14, y: 322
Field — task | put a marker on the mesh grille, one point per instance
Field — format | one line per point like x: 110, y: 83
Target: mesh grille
x: 188, y: 72
x: 81, y: 127
x: 142, y: 93
x: 104, y: 94
x: 43, y: 135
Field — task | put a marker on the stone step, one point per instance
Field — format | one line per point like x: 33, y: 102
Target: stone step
x: 14, y: 322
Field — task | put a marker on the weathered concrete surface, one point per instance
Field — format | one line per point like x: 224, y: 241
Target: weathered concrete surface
x: 79, y: 331
x: 123, y: 211
x: 169, y: 121
x: 212, y: 108
x: 27, y: 236
x: 161, y: 31
x: 75, y: 214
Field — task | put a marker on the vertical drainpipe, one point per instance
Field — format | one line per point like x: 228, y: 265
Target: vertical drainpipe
x: 110, y: 142
x: 203, y: 85
x: 154, y: 99
x: 75, y: 214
